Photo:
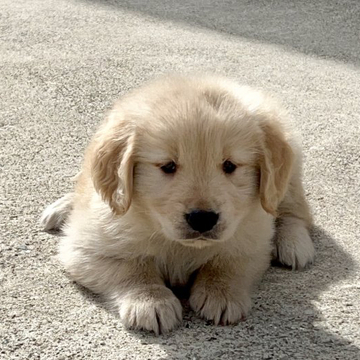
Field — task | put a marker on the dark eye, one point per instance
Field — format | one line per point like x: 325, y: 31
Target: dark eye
x: 228, y: 167
x: 169, y: 168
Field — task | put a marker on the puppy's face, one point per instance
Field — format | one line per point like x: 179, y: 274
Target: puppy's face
x: 196, y: 173
x: 195, y: 161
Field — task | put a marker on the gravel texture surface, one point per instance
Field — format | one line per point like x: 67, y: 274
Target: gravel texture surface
x: 64, y: 62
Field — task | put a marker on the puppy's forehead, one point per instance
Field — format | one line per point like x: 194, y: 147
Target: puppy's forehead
x: 197, y: 123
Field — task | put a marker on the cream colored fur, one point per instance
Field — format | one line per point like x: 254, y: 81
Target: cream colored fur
x: 126, y: 234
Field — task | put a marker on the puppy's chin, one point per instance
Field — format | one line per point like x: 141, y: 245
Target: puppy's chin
x: 199, y: 243
x: 192, y: 240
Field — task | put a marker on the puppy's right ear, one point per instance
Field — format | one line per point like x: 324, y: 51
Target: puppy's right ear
x: 112, y: 164
x: 276, y: 164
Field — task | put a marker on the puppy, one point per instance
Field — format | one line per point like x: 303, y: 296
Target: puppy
x: 185, y: 178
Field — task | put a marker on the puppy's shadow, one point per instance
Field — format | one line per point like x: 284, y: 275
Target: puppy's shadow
x: 284, y: 322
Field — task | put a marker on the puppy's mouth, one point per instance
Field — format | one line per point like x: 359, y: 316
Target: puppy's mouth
x: 197, y: 239
x: 194, y: 235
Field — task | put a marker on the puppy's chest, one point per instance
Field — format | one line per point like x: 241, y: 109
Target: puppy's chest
x: 176, y: 267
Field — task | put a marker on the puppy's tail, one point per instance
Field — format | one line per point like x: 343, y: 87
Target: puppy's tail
x: 55, y: 215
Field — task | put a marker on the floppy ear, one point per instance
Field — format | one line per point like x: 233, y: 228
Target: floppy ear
x: 275, y: 167
x: 112, y: 165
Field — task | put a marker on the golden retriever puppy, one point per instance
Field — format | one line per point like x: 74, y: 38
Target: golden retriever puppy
x: 186, y: 177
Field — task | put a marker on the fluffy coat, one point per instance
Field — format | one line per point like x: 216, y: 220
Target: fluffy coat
x: 126, y: 236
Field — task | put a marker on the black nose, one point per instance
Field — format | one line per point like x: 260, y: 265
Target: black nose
x: 201, y: 220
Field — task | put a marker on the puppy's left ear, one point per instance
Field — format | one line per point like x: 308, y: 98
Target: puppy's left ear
x: 275, y: 166
x: 112, y: 165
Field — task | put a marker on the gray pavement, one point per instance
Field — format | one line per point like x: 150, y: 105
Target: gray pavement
x: 64, y: 62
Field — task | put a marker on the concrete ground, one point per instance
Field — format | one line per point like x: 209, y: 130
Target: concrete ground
x: 64, y: 62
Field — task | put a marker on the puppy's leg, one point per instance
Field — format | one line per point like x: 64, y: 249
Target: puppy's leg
x: 293, y: 245
x: 222, y: 288
x: 55, y: 214
x: 134, y: 288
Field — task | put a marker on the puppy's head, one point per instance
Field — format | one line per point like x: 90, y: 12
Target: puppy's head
x: 194, y: 156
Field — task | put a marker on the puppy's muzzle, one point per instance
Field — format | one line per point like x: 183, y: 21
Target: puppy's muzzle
x: 201, y: 220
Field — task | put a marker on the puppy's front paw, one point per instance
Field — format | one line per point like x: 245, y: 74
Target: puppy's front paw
x: 218, y: 304
x: 293, y: 245
x: 153, y: 308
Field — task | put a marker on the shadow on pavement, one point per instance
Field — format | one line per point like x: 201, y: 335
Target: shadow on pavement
x: 325, y: 28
